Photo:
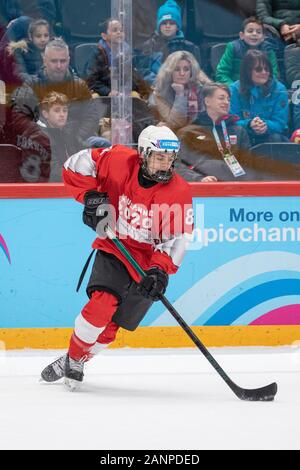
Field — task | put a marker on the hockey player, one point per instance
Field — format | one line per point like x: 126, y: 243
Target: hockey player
x: 151, y: 209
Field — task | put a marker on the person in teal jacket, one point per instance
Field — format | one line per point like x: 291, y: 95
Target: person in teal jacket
x: 260, y: 100
x: 251, y: 37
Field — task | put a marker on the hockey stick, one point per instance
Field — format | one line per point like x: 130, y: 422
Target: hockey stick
x: 266, y: 393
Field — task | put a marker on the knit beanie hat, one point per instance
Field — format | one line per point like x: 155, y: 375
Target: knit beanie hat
x: 170, y: 10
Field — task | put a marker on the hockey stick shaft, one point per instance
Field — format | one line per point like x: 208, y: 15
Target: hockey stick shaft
x: 264, y: 394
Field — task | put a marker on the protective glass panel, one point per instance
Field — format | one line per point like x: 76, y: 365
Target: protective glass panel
x: 86, y: 74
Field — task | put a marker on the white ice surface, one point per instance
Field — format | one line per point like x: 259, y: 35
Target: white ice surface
x: 151, y: 399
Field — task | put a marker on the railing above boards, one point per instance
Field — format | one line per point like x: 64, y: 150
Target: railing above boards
x: 228, y: 189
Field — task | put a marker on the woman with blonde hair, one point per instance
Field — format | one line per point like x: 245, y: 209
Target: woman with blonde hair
x: 177, y: 97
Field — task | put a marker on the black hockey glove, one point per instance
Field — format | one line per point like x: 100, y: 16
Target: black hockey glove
x: 92, y: 213
x: 154, y: 284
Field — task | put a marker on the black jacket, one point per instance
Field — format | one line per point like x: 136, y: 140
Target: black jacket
x: 278, y: 12
x: 203, y: 157
x: 98, y: 79
x: 98, y: 72
x: 28, y: 60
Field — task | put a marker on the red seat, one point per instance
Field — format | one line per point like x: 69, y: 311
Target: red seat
x: 10, y: 161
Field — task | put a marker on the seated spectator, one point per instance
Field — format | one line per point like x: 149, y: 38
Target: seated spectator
x: 281, y: 19
x: 99, y: 64
x: 252, y: 37
x: 260, y: 100
x: 282, y: 15
x: 177, y: 97
x: 62, y: 136
x: 29, y: 54
x: 55, y: 75
x: 215, y: 145
x: 167, y: 38
x: 98, y: 68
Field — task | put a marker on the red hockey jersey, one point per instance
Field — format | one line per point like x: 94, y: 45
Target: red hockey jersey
x: 153, y: 223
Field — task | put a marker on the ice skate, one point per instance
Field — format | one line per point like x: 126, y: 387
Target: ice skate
x: 73, y: 373
x: 54, y: 371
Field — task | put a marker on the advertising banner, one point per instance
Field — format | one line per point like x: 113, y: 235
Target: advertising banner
x: 242, y: 267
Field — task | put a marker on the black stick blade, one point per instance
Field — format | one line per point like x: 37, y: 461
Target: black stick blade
x: 266, y: 393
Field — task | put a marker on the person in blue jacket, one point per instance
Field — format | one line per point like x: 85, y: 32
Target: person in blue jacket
x: 166, y: 39
x: 260, y: 100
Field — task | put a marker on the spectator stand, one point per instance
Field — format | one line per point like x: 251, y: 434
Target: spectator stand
x: 81, y: 19
x: 214, y: 24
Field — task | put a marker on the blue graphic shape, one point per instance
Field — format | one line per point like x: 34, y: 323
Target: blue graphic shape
x: 252, y: 297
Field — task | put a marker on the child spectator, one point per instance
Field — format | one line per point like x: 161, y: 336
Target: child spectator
x: 167, y: 38
x: 29, y: 54
x: 177, y: 97
x: 98, y: 68
x: 260, y: 100
x: 99, y: 64
x: 61, y: 133
x: 252, y: 37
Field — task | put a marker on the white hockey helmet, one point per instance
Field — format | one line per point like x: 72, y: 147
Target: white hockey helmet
x: 157, y: 139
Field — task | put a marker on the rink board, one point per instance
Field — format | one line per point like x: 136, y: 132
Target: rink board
x: 239, y: 283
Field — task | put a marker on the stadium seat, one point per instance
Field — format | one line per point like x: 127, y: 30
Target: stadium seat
x: 10, y: 161
x: 216, y: 53
x: 81, y: 19
x: 286, y: 151
x: 215, y: 22
x: 292, y: 63
x: 82, y: 53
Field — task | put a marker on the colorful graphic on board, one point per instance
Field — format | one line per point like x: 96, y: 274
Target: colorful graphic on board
x: 4, y: 247
x: 243, y: 265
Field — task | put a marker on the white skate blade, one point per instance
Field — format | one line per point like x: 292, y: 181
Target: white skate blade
x: 72, y: 385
